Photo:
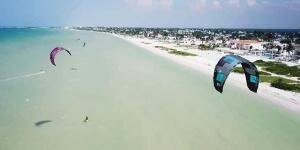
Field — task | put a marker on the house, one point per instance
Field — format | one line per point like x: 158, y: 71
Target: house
x: 249, y: 45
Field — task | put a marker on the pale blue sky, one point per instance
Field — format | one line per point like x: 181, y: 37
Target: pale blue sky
x: 152, y: 13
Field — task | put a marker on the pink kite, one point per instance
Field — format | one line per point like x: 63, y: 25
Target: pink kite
x: 55, y: 51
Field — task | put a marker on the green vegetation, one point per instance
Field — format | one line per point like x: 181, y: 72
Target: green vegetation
x: 281, y: 84
x: 162, y: 48
x: 238, y: 70
x: 241, y: 70
x: 264, y: 73
x: 205, y: 47
x: 270, y: 79
x: 277, y: 82
x: 165, y: 48
x: 174, y: 51
x: 181, y: 53
x: 279, y: 68
x: 265, y: 63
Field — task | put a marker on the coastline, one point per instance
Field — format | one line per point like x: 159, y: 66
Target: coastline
x: 205, y: 62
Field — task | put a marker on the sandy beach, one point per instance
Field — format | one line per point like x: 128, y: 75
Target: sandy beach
x: 205, y: 62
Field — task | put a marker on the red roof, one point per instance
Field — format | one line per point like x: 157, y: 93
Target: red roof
x: 246, y: 42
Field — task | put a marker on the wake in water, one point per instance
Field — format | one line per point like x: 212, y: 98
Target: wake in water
x: 23, y: 76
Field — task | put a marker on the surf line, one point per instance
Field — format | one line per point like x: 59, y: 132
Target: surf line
x: 23, y: 76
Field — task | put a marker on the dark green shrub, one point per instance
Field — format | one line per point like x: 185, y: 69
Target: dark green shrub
x: 238, y: 70
x: 279, y: 68
x: 241, y: 70
x: 181, y: 53
x: 264, y: 73
x: 280, y: 84
x: 270, y: 79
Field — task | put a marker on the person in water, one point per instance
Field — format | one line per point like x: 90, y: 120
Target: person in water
x: 86, y: 119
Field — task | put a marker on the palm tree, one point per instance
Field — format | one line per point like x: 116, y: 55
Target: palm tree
x: 278, y: 48
x: 290, y: 48
x: 269, y: 46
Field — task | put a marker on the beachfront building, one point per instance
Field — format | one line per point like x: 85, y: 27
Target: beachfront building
x: 249, y: 45
x: 296, y: 55
x: 217, y: 43
x: 231, y: 43
x: 171, y: 39
x: 198, y: 42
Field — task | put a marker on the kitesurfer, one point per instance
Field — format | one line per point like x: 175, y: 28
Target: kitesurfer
x: 86, y: 119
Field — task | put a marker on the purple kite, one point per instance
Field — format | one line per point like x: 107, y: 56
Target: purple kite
x: 55, y: 51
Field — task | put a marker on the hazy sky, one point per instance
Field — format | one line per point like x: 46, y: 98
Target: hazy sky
x: 152, y: 13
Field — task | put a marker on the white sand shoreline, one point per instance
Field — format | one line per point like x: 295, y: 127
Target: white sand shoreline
x: 205, y: 62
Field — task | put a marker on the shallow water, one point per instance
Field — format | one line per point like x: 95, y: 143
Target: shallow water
x: 135, y: 100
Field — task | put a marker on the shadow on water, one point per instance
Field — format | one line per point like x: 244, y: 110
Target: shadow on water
x: 74, y: 69
x: 40, y: 123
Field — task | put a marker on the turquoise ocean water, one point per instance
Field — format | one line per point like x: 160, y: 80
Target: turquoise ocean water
x: 135, y: 100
